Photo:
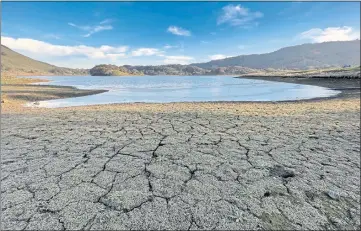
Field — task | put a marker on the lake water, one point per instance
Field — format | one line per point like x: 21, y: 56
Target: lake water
x: 164, y: 89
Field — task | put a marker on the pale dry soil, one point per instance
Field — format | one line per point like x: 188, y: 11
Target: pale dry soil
x: 98, y: 170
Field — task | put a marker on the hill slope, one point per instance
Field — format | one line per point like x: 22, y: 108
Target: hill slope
x: 13, y: 62
x: 306, y: 56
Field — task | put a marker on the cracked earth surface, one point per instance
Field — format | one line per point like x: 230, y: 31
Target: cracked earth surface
x: 117, y: 170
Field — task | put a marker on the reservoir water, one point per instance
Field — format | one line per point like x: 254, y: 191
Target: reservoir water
x: 165, y: 89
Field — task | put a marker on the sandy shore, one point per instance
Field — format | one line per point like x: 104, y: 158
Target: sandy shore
x: 293, y: 165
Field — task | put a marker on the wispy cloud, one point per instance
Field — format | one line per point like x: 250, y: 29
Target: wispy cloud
x: 330, y: 34
x: 178, y: 59
x: 44, y: 49
x: 169, y: 47
x: 147, y: 52
x: 93, y: 29
x: 106, y: 21
x: 205, y: 42
x: 216, y: 57
x: 79, y: 27
x: 178, y: 31
x: 237, y: 15
x: 98, y: 29
x: 52, y: 36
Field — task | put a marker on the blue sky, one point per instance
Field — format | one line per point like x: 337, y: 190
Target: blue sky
x: 82, y: 34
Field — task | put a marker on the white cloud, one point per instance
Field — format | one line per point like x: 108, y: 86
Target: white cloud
x: 179, y: 31
x: 79, y: 27
x: 115, y: 57
x: 52, y: 36
x: 93, y: 29
x: 146, y: 52
x: 82, y: 56
x: 218, y: 56
x: 169, y: 47
x: 106, y: 21
x: 237, y: 15
x: 42, y: 49
x: 98, y: 29
x: 330, y: 34
x: 242, y: 47
x: 177, y: 59
x: 205, y: 42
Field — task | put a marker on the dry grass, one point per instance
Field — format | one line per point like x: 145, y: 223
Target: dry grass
x: 312, y: 72
x: 9, y: 104
x: 17, y: 91
x: 10, y: 78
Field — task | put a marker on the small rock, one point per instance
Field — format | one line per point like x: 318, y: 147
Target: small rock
x: 36, y: 103
x: 278, y: 170
x: 333, y: 194
x: 310, y: 195
x: 267, y: 194
x: 313, y: 137
x: 335, y: 221
x: 2, y: 101
x: 353, y: 213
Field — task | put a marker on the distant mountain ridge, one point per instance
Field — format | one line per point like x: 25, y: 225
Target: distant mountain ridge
x: 171, y: 69
x: 15, y: 63
x: 305, y: 56
x: 300, y: 57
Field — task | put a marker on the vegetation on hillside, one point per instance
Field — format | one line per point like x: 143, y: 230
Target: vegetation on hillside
x: 103, y: 70
x: 303, y: 57
x: 13, y: 63
x: 112, y: 70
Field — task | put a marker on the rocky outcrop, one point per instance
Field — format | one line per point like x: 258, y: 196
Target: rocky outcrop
x: 111, y: 70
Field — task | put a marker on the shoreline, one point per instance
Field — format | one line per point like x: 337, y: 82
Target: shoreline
x: 70, y: 91
x: 330, y: 83
x: 349, y: 91
x: 349, y: 87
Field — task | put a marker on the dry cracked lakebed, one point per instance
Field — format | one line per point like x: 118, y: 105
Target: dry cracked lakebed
x: 127, y: 170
